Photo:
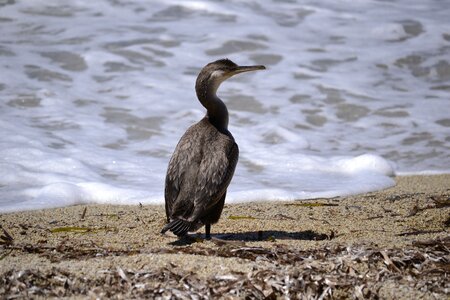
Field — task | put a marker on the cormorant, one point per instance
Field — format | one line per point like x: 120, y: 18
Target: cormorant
x: 204, y: 160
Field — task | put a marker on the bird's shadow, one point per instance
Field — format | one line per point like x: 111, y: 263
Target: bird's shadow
x: 255, y: 236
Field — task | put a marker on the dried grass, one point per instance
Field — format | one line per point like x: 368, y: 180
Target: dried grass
x: 325, y: 273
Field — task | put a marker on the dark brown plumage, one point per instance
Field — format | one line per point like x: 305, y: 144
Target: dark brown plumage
x: 205, y: 158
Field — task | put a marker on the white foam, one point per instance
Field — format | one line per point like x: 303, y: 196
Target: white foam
x: 390, y: 32
x: 95, y: 96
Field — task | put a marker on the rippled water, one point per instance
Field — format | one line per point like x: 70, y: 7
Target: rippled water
x: 95, y: 95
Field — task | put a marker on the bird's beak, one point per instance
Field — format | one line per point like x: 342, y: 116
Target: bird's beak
x: 242, y: 69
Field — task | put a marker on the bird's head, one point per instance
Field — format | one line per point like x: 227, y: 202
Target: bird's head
x: 214, y: 73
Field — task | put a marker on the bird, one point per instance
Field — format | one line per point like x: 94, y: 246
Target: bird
x: 204, y: 160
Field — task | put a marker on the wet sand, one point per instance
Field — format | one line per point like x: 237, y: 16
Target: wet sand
x: 391, y: 244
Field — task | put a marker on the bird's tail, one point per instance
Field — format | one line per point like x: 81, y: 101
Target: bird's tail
x: 179, y: 227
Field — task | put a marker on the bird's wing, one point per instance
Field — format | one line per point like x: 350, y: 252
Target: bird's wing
x: 171, y: 191
x: 214, y: 175
x: 180, y: 162
x: 198, y: 174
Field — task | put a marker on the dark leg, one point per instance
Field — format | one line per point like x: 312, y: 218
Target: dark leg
x: 213, y: 216
x: 208, y: 231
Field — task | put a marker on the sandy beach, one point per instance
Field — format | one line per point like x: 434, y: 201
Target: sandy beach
x: 391, y: 244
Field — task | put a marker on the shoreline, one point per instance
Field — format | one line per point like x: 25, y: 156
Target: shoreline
x: 374, y: 233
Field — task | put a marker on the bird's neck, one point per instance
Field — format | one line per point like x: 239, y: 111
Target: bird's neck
x: 217, y: 112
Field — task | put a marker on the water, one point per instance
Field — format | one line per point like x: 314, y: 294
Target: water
x: 94, y: 95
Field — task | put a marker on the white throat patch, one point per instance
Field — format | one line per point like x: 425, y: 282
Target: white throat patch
x: 217, y: 74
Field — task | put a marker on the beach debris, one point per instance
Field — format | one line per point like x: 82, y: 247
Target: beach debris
x: 311, y: 204
x: 441, y: 201
x: 224, y: 242
x: 71, y: 249
x: 388, y: 261
x: 71, y: 229
x: 6, y: 239
x: 280, y: 216
x: 374, y: 217
x: 417, y: 232
x: 414, y: 211
x: 393, y: 198
x: 139, y: 218
x: 113, y: 216
x: 241, y: 218
x: 321, y: 220
x: 5, y: 254
x: 24, y: 228
x: 279, y: 272
x: 83, y: 214
x: 122, y: 274
x: 440, y: 244
x: 76, y: 229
